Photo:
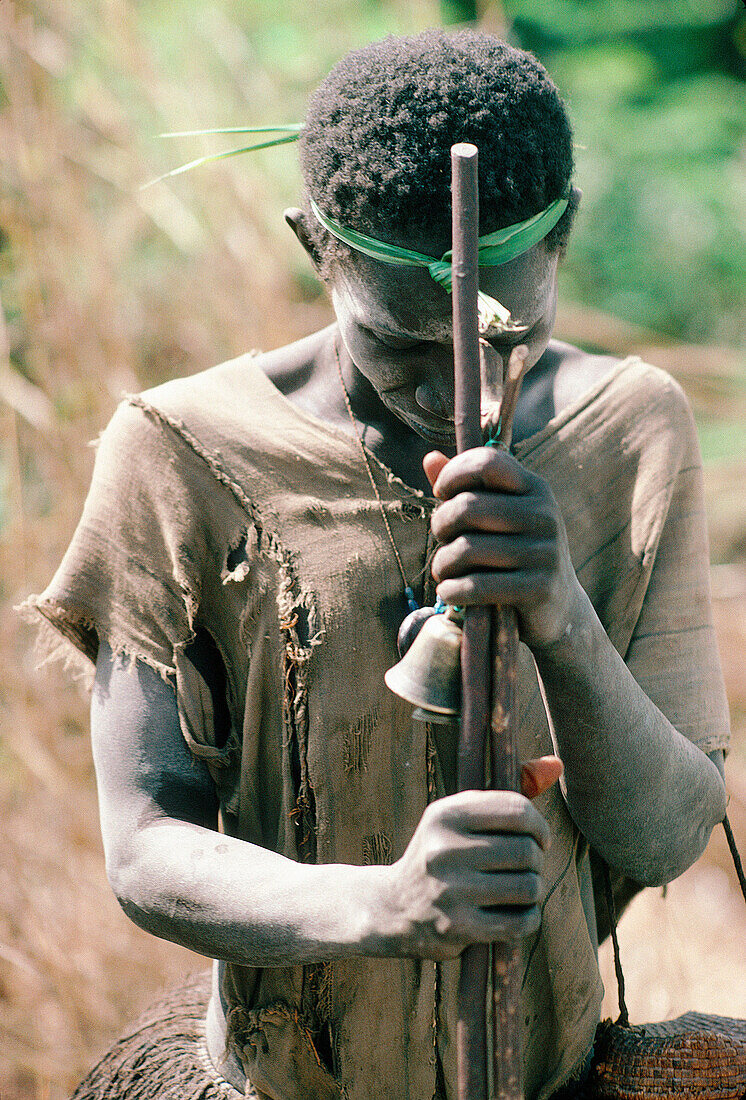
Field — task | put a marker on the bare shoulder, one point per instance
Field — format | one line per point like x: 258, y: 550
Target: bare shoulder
x: 295, y: 367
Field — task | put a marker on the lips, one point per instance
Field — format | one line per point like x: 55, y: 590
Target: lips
x: 434, y: 428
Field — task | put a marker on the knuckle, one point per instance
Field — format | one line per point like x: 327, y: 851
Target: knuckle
x: 443, y: 925
x: 529, y: 854
x: 515, y: 807
x: 531, y: 888
x: 434, y: 856
x: 443, y: 811
x: 432, y: 812
x: 544, y: 519
x: 439, y: 565
x: 463, y: 506
x: 462, y: 547
x: 442, y: 519
x: 461, y: 591
x: 482, y: 458
x: 528, y: 921
x: 521, y: 889
x: 545, y: 553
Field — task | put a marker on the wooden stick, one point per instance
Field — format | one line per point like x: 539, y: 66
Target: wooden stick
x: 484, y: 629
x: 471, y: 1035
x: 505, y: 775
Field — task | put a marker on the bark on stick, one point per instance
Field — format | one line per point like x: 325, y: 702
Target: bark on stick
x: 484, y: 630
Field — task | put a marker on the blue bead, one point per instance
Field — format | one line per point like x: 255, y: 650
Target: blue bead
x: 411, y: 601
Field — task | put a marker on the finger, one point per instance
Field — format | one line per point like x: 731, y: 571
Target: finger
x: 503, y: 923
x: 517, y: 587
x: 501, y: 513
x: 539, y: 775
x: 502, y: 852
x: 482, y: 468
x: 432, y: 464
x: 517, y: 888
x: 469, y: 552
x: 491, y: 812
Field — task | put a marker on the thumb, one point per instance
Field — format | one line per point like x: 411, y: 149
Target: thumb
x: 539, y: 775
x: 432, y: 464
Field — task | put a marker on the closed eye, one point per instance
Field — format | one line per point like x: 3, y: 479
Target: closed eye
x: 401, y: 343
x: 389, y: 340
x: 503, y: 345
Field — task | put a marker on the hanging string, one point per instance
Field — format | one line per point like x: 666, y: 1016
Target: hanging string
x: 623, y: 1014
x: 736, y: 856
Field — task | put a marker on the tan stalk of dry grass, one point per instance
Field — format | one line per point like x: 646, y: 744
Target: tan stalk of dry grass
x: 86, y: 317
x: 105, y: 289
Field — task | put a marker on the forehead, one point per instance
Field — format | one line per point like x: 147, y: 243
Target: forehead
x: 405, y: 301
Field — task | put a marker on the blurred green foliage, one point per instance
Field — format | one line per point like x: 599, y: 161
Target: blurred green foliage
x: 458, y: 11
x: 656, y: 93
x: 657, y: 97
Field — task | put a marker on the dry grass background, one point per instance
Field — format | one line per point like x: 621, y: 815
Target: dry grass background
x: 107, y: 289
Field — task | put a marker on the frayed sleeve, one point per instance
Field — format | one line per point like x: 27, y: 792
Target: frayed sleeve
x: 131, y: 574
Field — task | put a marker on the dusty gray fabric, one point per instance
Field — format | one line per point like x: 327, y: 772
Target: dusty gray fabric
x: 217, y: 503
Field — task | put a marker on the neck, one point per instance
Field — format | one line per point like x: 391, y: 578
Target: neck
x: 382, y: 433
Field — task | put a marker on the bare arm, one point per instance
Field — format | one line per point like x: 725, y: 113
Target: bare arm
x: 174, y: 874
x: 620, y: 751
x: 471, y: 871
x: 644, y: 796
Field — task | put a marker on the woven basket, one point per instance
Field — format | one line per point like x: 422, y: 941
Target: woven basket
x: 694, y: 1056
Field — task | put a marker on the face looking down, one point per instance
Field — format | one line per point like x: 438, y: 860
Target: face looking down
x: 396, y: 325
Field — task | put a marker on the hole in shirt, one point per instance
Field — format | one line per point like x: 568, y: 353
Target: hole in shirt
x: 204, y: 654
x: 237, y: 556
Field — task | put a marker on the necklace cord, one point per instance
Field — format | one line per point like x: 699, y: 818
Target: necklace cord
x: 408, y: 592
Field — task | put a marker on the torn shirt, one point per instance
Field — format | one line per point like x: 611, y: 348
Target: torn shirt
x: 218, y: 504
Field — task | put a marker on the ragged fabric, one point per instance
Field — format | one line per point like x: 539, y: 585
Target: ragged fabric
x: 217, y: 504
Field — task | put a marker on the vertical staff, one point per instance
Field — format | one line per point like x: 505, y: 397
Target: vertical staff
x: 482, y: 630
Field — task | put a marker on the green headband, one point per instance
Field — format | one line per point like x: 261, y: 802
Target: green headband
x: 495, y: 249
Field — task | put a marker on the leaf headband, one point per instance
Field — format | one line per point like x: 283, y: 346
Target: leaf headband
x: 495, y: 248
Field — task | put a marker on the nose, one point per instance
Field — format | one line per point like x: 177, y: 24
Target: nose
x: 435, y: 394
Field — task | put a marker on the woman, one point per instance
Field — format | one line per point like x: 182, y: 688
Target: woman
x: 251, y: 541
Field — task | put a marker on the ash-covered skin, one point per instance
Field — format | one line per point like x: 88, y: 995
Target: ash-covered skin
x: 502, y: 541
x: 396, y: 326
x: 472, y: 871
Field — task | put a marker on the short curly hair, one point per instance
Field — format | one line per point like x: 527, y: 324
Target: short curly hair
x: 375, y: 150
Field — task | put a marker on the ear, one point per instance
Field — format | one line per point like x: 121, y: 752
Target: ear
x: 297, y: 221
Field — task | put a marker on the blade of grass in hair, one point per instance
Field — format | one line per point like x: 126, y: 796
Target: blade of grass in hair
x: 293, y: 127
x: 218, y: 156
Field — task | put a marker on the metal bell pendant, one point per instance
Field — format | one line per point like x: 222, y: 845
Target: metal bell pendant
x: 429, y: 673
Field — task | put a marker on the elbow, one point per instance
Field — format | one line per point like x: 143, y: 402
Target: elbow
x: 135, y: 884
x: 155, y: 889
x: 686, y: 837
x: 654, y: 848
x: 125, y: 877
